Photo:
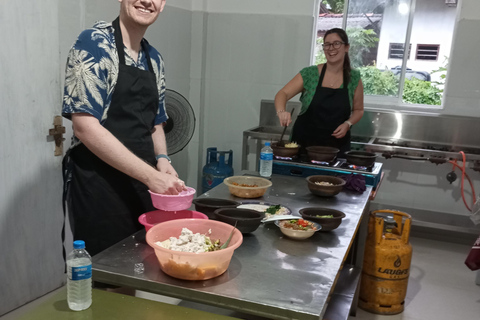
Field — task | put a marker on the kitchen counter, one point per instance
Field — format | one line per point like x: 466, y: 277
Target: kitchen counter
x: 269, y: 275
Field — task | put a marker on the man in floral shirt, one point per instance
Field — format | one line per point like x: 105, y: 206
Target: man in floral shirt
x: 115, y: 96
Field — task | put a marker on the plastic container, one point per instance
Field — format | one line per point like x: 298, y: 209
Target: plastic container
x: 194, y: 266
x: 152, y: 218
x: 247, y: 186
x: 79, y: 277
x: 266, y: 160
x: 166, y: 202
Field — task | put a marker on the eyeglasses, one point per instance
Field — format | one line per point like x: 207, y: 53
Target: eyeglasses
x: 335, y: 45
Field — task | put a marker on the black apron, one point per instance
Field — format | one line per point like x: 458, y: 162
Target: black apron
x: 104, y: 203
x: 329, y: 109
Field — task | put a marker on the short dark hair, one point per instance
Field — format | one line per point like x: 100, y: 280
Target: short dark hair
x: 347, y: 68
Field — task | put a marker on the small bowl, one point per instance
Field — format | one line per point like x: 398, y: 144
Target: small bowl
x: 247, y: 220
x: 327, y: 224
x: 284, y: 151
x: 167, y: 202
x: 325, y: 191
x: 152, y: 218
x: 189, y: 265
x: 247, y: 192
x: 297, y: 234
x: 318, y: 153
x: 209, y: 205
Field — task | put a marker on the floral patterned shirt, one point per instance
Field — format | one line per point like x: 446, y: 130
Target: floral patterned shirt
x: 92, y: 72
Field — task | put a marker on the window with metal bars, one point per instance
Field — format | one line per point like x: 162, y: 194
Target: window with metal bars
x: 427, y: 52
x: 396, y: 51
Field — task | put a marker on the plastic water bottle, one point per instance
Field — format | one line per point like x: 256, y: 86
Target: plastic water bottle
x: 79, y: 281
x: 266, y: 160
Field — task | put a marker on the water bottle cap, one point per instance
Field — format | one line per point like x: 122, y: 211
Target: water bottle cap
x: 79, y: 244
x: 267, y: 144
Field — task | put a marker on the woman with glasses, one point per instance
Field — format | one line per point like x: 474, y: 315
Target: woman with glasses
x: 332, y: 98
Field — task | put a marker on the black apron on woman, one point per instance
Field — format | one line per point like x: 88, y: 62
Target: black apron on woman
x: 329, y: 109
x: 104, y: 203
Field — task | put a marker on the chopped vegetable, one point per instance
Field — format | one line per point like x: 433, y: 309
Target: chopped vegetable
x: 298, y: 224
x: 273, y: 209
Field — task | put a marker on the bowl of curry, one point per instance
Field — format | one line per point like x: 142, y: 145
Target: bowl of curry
x: 247, y: 186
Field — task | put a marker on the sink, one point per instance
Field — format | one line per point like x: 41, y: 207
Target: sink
x: 267, y: 132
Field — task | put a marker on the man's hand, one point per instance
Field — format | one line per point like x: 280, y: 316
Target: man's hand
x: 163, y: 165
x: 165, y: 183
x: 341, y: 130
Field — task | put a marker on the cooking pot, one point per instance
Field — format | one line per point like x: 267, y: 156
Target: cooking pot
x: 360, y: 158
x: 319, y: 153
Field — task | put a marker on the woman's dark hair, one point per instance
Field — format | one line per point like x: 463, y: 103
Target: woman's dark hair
x: 346, y: 62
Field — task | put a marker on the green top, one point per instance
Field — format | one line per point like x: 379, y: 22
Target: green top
x: 311, y: 76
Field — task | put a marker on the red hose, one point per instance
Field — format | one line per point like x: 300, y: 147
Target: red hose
x: 464, y: 174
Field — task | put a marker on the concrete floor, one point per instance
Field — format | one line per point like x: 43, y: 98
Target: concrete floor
x: 440, y: 287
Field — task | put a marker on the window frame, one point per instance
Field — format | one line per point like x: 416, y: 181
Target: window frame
x: 396, y: 103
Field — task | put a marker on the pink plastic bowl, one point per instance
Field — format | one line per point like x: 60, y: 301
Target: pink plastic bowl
x: 181, y: 201
x: 194, y: 266
x: 151, y: 218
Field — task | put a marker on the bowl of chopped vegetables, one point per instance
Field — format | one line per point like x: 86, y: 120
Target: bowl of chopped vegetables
x: 325, y: 186
x: 329, y: 219
x: 289, y: 150
x: 298, y: 229
x: 247, y: 186
x: 194, y: 249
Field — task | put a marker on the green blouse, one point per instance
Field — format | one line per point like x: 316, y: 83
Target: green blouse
x: 311, y: 76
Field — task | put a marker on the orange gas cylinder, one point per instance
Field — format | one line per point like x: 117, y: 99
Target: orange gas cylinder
x: 386, y: 264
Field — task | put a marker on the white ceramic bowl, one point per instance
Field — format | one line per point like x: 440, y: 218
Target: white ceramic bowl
x: 298, y: 234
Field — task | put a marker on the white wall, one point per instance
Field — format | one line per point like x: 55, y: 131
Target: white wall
x: 246, y: 59
x: 31, y: 219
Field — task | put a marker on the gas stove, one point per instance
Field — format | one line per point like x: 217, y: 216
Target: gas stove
x: 338, y: 167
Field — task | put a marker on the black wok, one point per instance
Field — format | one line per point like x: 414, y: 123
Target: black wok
x: 360, y: 158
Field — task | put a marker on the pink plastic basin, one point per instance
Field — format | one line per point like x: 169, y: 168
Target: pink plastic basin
x: 151, y: 218
x: 181, y: 201
x: 194, y: 266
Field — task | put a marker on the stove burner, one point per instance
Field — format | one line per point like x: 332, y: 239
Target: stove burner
x: 283, y: 158
x: 354, y: 167
x: 322, y: 163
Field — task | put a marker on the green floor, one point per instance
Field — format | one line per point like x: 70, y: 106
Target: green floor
x: 108, y: 305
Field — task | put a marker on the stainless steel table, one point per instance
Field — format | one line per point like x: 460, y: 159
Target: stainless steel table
x: 269, y: 275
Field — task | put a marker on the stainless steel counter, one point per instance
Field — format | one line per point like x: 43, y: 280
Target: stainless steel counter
x: 269, y: 275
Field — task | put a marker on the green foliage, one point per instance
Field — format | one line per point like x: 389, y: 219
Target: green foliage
x: 336, y: 6
x: 417, y: 91
x: 443, y: 71
x: 377, y: 82
x: 361, y: 40
x: 384, y: 83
